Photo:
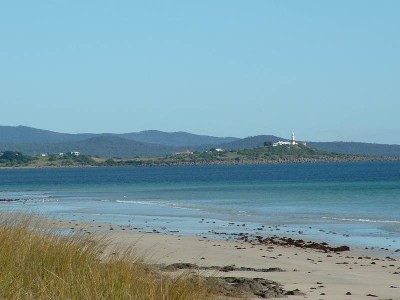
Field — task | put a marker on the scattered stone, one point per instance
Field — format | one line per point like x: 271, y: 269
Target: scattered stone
x: 9, y: 200
x: 289, y: 242
x: 228, y: 268
x: 390, y: 258
x: 294, y: 292
x: 180, y: 266
x: 248, y: 287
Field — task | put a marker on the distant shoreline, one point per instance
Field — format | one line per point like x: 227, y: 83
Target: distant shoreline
x: 212, y: 163
x: 280, y: 154
x: 225, y: 163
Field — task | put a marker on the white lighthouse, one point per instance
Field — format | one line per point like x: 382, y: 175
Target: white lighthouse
x: 290, y: 143
x: 293, y: 140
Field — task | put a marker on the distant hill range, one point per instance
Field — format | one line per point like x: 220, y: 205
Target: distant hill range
x: 152, y: 143
x: 369, y: 149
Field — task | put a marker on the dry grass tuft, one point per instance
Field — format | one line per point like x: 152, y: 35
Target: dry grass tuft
x: 46, y: 264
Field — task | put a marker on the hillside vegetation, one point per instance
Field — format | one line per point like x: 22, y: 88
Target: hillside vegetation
x: 260, y: 155
x: 359, y: 148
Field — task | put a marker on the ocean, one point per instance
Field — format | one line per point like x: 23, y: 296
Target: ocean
x: 356, y: 204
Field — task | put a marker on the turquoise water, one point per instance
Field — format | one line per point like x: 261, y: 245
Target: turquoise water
x: 343, y: 203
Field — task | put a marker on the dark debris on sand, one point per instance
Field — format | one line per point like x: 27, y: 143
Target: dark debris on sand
x: 189, y: 266
x: 249, y: 287
x: 238, y: 286
x: 287, y: 242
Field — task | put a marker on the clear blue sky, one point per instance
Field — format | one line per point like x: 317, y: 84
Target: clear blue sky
x: 328, y: 70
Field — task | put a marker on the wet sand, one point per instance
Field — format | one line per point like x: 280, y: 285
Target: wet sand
x: 354, y: 274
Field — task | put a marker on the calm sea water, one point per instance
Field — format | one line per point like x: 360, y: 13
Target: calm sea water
x: 343, y: 203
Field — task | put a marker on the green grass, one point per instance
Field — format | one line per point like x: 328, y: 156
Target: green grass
x: 45, y: 264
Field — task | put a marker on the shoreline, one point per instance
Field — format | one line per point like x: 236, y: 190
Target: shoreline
x: 216, y: 163
x: 313, y: 273
x: 202, y: 224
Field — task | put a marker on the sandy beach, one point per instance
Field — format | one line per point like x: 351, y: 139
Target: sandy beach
x: 314, y: 274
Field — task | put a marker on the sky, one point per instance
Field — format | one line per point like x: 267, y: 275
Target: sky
x: 327, y: 70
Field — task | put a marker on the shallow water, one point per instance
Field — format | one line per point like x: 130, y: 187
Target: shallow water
x: 343, y: 203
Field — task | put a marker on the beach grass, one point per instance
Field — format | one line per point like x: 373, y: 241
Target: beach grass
x: 41, y: 263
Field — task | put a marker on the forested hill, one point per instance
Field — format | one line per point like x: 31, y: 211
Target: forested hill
x: 153, y: 143
x: 250, y: 142
x: 358, y: 148
x: 103, y: 146
x: 176, y: 138
x: 28, y: 135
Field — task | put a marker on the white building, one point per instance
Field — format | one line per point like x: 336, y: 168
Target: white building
x: 281, y: 143
x: 75, y: 153
x: 291, y: 143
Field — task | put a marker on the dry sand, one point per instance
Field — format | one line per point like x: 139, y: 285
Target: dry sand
x: 355, y: 274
